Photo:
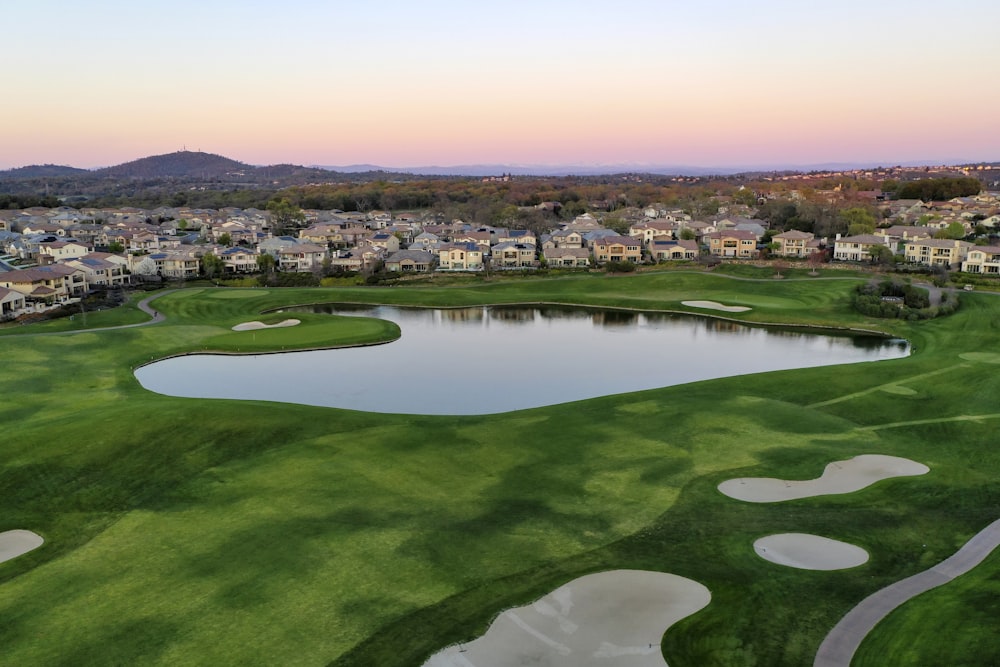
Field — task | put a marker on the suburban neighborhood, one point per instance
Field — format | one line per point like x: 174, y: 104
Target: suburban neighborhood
x: 54, y: 256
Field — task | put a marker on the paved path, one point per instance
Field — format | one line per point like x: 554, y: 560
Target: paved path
x: 143, y: 305
x: 838, y: 648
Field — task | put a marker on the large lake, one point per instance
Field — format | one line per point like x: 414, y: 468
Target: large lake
x: 497, y: 359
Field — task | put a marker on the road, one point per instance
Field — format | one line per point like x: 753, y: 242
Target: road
x: 839, y: 646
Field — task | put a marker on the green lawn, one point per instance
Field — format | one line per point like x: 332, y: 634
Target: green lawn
x: 188, y: 531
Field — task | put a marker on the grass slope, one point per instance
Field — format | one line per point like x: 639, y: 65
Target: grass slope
x: 183, y: 531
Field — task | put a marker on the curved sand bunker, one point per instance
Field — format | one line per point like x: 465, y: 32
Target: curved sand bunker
x: 608, y: 618
x: 14, y: 543
x: 838, y: 477
x: 715, y: 305
x: 251, y: 326
x: 809, y: 552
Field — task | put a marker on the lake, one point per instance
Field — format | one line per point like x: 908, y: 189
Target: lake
x: 495, y: 359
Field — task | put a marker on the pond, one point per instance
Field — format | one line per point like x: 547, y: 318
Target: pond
x: 488, y: 360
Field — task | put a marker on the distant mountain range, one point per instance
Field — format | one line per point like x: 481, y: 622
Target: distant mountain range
x: 193, y: 165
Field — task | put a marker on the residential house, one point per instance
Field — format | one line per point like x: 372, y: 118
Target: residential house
x: 301, y: 257
x: 386, y: 241
x: 410, y: 261
x: 948, y: 253
x: 58, y: 251
x: 425, y: 241
x: 49, y: 284
x: 172, y: 263
x: 564, y: 238
x: 482, y: 238
x: 100, y: 271
x: 567, y: 257
x: 857, y: 248
x: 460, y: 257
x: 238, y: 259
x: 649, y: 230
x: 982, y: 259
x: 794, y: 243
x: 736, y: 243
x: 617, y: 249
x: 12, y: 303
x: 671, y: 250
x: 522, y: 236
x: 511, y: 255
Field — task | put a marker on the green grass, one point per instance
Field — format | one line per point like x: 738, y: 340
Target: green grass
x: 186, y: 531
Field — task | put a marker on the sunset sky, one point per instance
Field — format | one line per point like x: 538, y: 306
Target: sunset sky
x: 710, y: 83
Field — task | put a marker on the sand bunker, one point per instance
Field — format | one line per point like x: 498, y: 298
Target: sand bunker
x: 14, y: 543
x: 809, y: 552
x: 608, y: 618
x: 251, y: 326
x: 714, y: 305
x: 838, y: 477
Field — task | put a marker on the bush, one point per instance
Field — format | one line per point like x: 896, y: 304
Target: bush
x: 914, y: 303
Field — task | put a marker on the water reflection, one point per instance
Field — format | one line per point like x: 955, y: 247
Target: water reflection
x: 496, y: 359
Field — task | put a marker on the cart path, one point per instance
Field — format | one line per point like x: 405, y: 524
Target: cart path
x: 840, y: 644
x: 155, y: 315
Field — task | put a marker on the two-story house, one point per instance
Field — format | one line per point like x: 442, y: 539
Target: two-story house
x: 617, y: 249
x: 736, y: 243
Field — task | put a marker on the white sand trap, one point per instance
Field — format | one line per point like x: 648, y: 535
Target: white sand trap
x: 715, y: 305
x: 608, y: 618
x: 809, y: 552
x: 251, y: 326
x: 838, y: 477
x: 14, y: 543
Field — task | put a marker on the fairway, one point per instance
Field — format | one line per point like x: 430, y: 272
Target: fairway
x: 204, y: 532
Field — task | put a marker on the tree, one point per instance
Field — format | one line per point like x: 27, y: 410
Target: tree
x: 285, y: 216
x: 225, y: 239
x: 882, y: 255
x: 687, y: 234
x: 955, y: 230
x: 212, y: 265
x: 859, y: 221
x: 265, y: 262
x: 115, y: 246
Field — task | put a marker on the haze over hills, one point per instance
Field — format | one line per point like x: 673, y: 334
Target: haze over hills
x: 197, y: 165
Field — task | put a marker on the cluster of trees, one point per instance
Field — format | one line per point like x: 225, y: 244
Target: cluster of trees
x: 817, y: 218
x: 935, y: 189
x: 869, y: 299
x: 17, y: 201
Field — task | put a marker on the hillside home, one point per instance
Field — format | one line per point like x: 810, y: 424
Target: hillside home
x: 567, y: 257
x: 794, y: 243
x: 510, y: 255
x: 617, y: 249
x: 12, y: 303
x: 982, y: 259
x: 663, y: 250
x: 948, y: 253
x: 48, y: 284
x: 59, y: 251
x: 99, y: 271
x: 649, y: 230
x: 740, y: 244
x: 410, y: 261
x: 857, y: 248
x: 460, y: 257
x: 565, y: 238
x: 238, y: 259
x: 386, y: 241
x: 301, y: 257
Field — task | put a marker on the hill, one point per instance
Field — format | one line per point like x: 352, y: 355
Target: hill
x: 41, y: 171
x: 182, y: 164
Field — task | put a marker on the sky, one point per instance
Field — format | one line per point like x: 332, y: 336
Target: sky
x: 706, y: 83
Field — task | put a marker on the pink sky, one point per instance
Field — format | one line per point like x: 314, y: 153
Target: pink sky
x: 548, y: 82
